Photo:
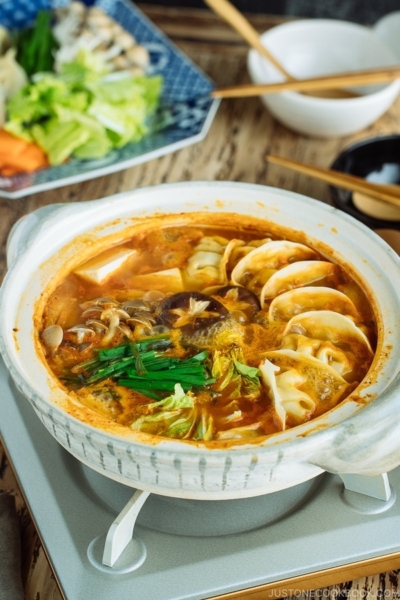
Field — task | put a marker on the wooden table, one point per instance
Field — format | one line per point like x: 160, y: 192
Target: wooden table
x: 243, y: 132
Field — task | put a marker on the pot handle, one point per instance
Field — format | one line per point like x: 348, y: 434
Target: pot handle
x: 367, y: 443
x: 22, y: 230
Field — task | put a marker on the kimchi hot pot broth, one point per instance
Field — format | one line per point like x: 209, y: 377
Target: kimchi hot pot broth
x: 211, y: 328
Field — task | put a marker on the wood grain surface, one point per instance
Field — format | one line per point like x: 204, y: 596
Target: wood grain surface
x: 242, y: 133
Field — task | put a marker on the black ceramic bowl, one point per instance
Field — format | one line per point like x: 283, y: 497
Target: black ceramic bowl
x: 375, y: 159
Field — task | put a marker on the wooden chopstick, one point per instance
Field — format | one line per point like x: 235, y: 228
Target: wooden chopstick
x: 339, y: 80
x: 234, y: 17
x: 387, y: 193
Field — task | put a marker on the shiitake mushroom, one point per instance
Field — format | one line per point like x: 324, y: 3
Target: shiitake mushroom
x: 191, y: 312
x: 239, y: 300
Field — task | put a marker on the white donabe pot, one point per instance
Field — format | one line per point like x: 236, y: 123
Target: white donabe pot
x: 361, y: 435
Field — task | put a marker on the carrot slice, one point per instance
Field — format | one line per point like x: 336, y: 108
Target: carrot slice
x: 9, y: 144
x: 19, y: 156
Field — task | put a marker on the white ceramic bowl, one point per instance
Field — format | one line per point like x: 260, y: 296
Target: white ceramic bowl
x: 387, y: 28
x: 361, y: 435
x: 315, y: 47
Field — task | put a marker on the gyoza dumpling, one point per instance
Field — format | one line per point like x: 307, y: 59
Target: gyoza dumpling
x: 305, y: 299
x: 327, y: 352
x: 256, y: 267
x: 207, y: 265
x: 243, y: 248
x: 300, y: 386
x: 300, y: 274
x: 326, y: 325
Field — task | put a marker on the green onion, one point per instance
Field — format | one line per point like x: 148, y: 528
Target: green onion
x: 168, y: 376
x: 167, y: 386
x: 113, y: 369
x: 86, y: 366
x: 35, y: 45
x: 139, y: 366
x: 157, y: 342
x: 148, y: 393
x: 112, y: 353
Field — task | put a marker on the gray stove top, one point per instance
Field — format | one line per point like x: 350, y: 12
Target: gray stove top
x: 186, y: 553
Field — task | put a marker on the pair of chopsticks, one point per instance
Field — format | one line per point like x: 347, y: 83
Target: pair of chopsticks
x: 387, y: 193
x: 340, y: 80
x: 231, y: 15
x: 237, y: 21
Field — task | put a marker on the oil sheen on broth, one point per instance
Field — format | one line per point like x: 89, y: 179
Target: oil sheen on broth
x: 199, y: 332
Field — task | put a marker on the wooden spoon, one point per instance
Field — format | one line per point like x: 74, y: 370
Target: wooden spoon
x: 231, y: 15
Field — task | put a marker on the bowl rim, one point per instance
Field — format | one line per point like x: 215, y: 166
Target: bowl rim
x: 335, y: 192
x: 254, y: 60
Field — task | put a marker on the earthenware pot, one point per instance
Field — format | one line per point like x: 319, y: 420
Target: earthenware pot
x: 361, y: 435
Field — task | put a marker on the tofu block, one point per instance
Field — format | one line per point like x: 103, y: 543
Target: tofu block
x: 99, y: 269
x: 169, y: 280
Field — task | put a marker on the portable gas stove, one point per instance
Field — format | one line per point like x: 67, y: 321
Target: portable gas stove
x: 307, y: 536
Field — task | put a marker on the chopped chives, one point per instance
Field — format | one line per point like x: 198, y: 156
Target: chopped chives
x: 167, y: 376
x: 148, y: 393
x: 106, y: 372
x: 111, y: 353
x: 142, y: 366
x: 167, y: 386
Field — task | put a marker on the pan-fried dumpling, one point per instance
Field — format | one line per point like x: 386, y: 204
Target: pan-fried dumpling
x: 301, y: 386
x: 258, y: 265
x: 305, y: 299
x: 299, y: 274
x: 328, y: 325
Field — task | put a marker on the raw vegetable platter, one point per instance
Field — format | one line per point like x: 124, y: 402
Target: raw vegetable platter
x: 183, y: 114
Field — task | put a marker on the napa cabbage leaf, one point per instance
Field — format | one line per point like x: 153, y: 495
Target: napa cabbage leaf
x: 83, y: 111
x: 231, y: 373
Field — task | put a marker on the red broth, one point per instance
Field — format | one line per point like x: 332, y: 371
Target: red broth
x: 203, y: 333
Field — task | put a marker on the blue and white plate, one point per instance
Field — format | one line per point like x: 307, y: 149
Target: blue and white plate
x: 185, y: 114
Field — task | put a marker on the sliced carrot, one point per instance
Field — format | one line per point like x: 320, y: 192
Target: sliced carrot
x: 8, y: 171
x: 9, y: 144
x: 19, y: 156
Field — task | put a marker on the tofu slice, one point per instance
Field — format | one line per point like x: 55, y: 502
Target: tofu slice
x: 99, y: 269
x: 169, y: 280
